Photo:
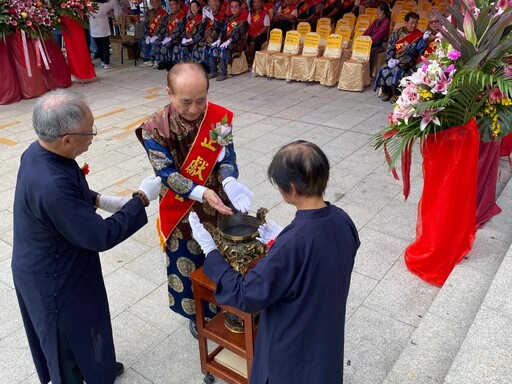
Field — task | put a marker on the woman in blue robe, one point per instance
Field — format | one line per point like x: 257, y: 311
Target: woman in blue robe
x: 301, y: 286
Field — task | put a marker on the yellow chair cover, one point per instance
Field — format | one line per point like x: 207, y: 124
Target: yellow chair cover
x: 324, y: 31
x: 323, y: 21
x: 355, y: 73
x: 371, y: 12
x: 300, y: 65
x: 410, y: 6
x: 359, y: 32
x: 239, y: 64
x: 351, y: 18
x: 364, y: 18
x: 400, y: 15
x: 280, y: 62
x: 425, y: 6
x: 398, y: 3
x: 343, y: 22
x: 422, y: 24
x: 327, y: 69
x: 262, y: 58
x: 346, y: 33
x: 303, y: 28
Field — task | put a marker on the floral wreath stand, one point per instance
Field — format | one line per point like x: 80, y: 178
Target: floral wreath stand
x: 446, y: 224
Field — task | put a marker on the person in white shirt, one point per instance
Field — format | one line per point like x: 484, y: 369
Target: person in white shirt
x: 100, y: 28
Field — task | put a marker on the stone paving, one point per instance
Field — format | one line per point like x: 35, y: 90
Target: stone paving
x: 386, y: 302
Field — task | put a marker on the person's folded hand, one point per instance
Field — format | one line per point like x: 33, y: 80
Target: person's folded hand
x: 151, y: 186
x: 238, y: 194
x: 200, y: 234
x: 392, y: 63
x: 268, y: 231
x: 216, y: 43
x: 166, y: 40
x: 148, y: 39
x: 153, y: 39
x: 426, y: 35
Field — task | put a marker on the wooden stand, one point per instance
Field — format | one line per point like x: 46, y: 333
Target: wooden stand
x: 234, y: 349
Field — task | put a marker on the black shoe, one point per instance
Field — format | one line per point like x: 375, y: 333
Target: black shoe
x: 162, y: 66
x: 119, y: 368
x: 192, y: 326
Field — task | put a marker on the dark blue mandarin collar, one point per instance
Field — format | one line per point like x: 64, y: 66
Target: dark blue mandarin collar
x: 314, y: 213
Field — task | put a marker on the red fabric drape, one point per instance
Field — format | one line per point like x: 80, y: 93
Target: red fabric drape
x: 506, y: 146
x: 446, y: 225
x: 58, y: 75
x: 31, y: 84
x: 79, y: 58
x: 488, y: 162
x: 9, y: 86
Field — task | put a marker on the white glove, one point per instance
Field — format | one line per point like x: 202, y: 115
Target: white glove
x: 239, y: 194
x: 426, y: 35
x: 148, y: 39
x: 226, y: 43
x: 216, y: 43
x: 151, y: 187
x: 112, y: 204
x: 166, y: 40
x: 269, y: 231
x: 392, y: 63
x: 201, y: 235
x: 153, y: 39
x: 207, y: 13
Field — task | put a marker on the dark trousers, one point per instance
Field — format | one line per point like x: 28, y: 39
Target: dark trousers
x: 68, y: 366
x: 103, y: 44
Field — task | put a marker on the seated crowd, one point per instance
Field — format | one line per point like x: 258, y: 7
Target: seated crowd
x: 216, y: 33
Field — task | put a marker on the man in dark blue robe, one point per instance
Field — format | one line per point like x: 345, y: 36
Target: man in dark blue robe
x: 57, y: 237
x: 301, y: 286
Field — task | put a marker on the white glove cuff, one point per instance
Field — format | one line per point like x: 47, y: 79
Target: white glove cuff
x: 227, y: 180
x: 197, y: 193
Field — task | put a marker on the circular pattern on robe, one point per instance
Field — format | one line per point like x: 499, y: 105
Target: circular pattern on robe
x: 194, y: 247
x: 175, y: 283
x: 173, y: 244
x: 209, y: 227
x: 207, y: 208
x: 177, y: 233
x: 167, y: 259
x: 171, y: 300
x: 212, y: 307
x: 185, y: 266
x: 188, y: 306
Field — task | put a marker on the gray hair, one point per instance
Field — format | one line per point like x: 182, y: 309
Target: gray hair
x: 58, y: 112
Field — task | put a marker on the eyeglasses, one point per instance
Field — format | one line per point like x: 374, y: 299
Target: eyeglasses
x: 93, y: 133
x: 433, y: 21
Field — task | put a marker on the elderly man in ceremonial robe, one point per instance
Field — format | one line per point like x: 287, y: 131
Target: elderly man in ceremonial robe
x: 232, y: 39
x: 57, y: 236
x: 154, y: 29
x: 406, y: 44
x: 189, y: 144
x: 175, y: 26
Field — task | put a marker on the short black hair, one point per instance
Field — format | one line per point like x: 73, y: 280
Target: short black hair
x: 302, y: 166
x: 412, y: 15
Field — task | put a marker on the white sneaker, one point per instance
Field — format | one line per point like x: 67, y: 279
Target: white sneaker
x: 107, y: 66
x: 102, y: 64
x: 147, y: 64
x: 155, y: 66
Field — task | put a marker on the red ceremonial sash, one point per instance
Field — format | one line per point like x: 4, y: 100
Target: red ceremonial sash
x: 328, y: 3
x: 287, y: 10
x: 156, y: 21
x: 198, y: 166
x: 174, y: 22
x: 409, y: 39
x: 234, y: 23
x: 306, y: 6
x: 192, y: 23
x: 257, y: 20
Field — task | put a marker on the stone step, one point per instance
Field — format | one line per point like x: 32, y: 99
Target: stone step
x: 486, y: 352
x: 435, y: 343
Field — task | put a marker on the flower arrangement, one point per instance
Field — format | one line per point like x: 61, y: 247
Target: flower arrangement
x: 31, y: 16
x: 222, y: 133
x: 457, y: 81
x: 85, y: 169
x: 78, y: 10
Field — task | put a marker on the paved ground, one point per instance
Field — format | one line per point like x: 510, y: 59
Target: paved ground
x: 386, y: 302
